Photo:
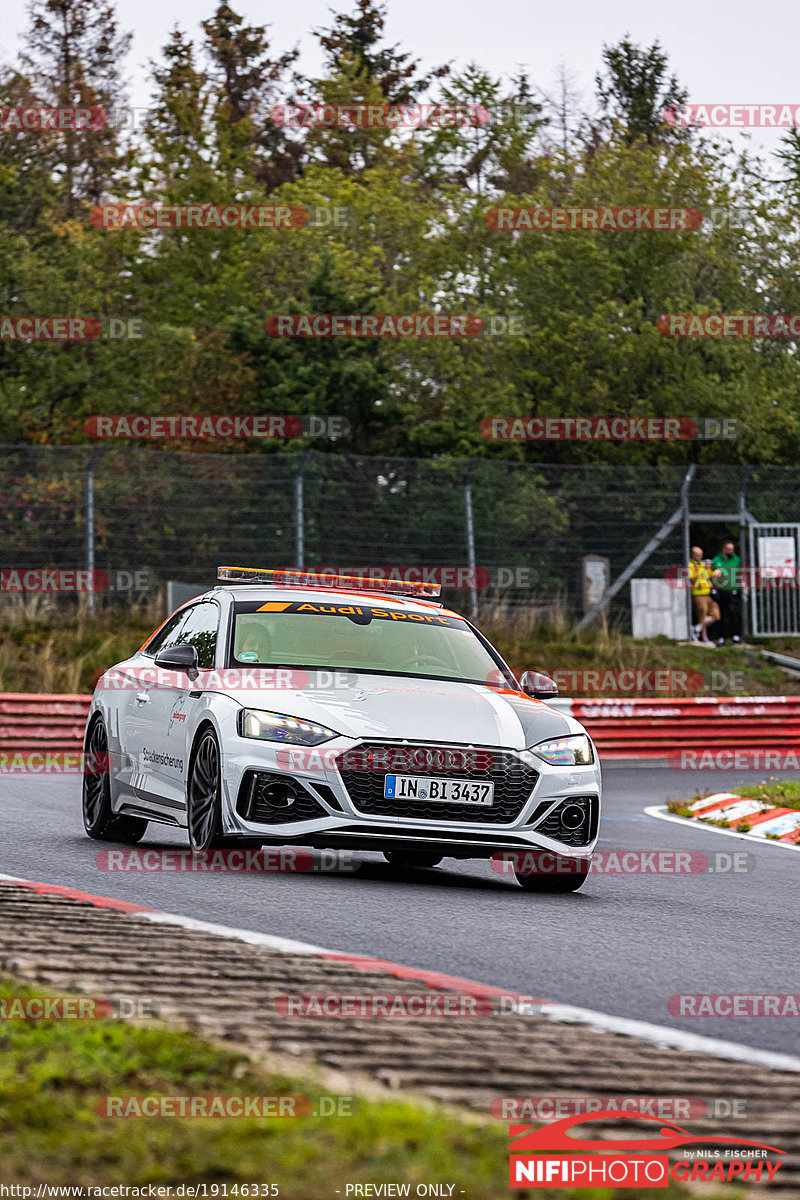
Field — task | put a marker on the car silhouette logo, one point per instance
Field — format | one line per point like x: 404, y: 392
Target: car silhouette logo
x: 526, y: 1138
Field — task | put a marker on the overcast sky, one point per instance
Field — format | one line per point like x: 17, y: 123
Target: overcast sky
x: 732, y: 53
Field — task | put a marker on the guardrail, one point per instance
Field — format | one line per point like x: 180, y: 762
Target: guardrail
x: 621, y: 728
x: 647, y: 728
x: 31, y: 721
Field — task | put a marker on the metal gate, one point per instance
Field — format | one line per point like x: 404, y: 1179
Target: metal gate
x: 772, y: 580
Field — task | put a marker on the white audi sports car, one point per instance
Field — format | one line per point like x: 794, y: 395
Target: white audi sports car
x: 285, y: 708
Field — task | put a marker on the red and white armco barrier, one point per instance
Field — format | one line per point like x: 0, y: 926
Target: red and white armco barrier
x: 32, y: 721
x: 625, y: 728
x: 646, y: 728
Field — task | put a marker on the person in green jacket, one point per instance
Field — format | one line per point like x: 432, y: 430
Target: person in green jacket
x: 726, y: 573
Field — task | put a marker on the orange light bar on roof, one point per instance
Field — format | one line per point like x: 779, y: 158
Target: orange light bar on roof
x: 327, y: 579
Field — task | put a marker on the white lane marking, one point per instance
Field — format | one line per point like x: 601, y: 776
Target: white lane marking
x: 286, y: 945
x: 693, y: 823
x: 661, y: 1035
x: 678, y: 1039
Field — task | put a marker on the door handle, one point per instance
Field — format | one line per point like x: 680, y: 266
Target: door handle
x: 142, y: 697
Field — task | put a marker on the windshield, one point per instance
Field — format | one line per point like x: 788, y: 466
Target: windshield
x: 352, y: 636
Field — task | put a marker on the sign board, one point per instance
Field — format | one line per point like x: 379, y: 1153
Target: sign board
x: 596, y: 579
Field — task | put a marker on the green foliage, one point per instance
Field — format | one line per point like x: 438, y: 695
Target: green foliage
x: 783, y: 793
x: 414, y: 239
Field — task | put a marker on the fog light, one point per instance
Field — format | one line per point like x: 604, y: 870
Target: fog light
x: 572, y: 817
x: 277, y: 794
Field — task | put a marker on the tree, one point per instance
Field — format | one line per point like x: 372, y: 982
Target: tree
x: 360, y: 69
x: 248, y: 81
x: 29, y: 163
x: 487, y: 137
x: 636, y: 90
x: 178, y: 130
x: 73, y: 56
x: 357, y: 39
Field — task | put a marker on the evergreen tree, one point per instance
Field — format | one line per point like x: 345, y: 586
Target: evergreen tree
x: 358, y: 38
x: 248, y: 82
x: 73, y: 56
x: 636, y: 89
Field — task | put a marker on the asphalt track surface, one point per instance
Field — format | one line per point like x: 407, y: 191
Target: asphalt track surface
x: 623, y: 945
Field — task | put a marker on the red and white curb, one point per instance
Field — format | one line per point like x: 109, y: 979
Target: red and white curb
x: 661, y: 1035
x: 732, y: 810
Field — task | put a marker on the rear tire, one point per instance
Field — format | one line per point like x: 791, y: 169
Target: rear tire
x: 554, y: 884
x: 99, y: 820
x: 412, y: 860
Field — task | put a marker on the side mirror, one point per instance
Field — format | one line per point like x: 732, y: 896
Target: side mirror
x: 534, y: 683
x: 179, y: 658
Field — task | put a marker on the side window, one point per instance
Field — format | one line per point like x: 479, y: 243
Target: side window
x: 168, y: 634
x: 200, y: 630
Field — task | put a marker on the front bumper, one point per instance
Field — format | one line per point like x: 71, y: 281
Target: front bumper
x: 329, y: 816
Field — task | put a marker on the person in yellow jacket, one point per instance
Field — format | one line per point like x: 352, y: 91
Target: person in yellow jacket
x: 705, y: 610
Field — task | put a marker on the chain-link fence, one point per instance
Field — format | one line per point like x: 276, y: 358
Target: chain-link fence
x: 179, y: 515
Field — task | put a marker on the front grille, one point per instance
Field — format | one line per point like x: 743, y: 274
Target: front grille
x: 253, y: 805
x: 585, y: 832
x: 364, y: 768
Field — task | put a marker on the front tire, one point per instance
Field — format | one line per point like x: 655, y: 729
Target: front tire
x: 99, y: 820
x: 554, y: 884
x: 203, y: 795
x: 412, y: 860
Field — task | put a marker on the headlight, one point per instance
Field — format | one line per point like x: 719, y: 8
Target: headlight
x: 573, y: 751
x: 274, y: 727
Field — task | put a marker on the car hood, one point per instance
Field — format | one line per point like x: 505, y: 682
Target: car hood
x: 420, y: 710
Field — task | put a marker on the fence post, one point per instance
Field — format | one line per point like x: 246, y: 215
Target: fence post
x: 299, y: 511
x: 687, y: 548
x: 743, y: 527
x: 473, y: 591
x: 93, y: 457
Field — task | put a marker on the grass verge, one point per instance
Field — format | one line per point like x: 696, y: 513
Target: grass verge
x: 65, y: 650
x: 52, y: 1072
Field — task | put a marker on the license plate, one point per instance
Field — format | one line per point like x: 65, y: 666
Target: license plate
x: 447, y: 791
